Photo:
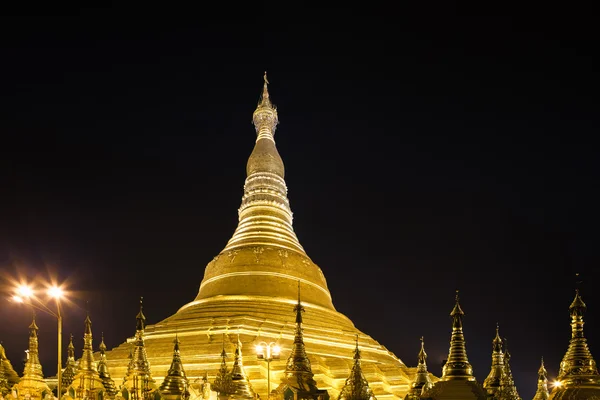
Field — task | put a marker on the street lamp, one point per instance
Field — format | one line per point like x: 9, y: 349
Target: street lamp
x: 25, y: 294
x: 268, y: 352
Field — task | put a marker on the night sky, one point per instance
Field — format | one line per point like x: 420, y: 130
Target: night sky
x: 424, y: 154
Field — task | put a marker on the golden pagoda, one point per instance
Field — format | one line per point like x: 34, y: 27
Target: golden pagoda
x: 492, y: 383
x: 240, y: 388
x: 297, y: 382
x: 356, y: 386
x: 578, y: 376
x: 507, y: 389
x: 86, y: 383
x: 249, y: 286
x: 138, y: 383
x: 8, y: 375
x: 32, y: 385
x: 457, y: 381
x: 222, y: 383
x: 70, y: 369
x: 542, y: 384
x: 422, y: 383
x: 175, y: 386
x: 107, y: 381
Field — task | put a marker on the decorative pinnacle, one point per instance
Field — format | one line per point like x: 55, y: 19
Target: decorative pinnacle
x: 299, y: 308
x: 102, y: 346
x: 265, y: 116
x: 422, y: 354
x: 356, y: 350
x: 141, y: 319
x: 88, y: 324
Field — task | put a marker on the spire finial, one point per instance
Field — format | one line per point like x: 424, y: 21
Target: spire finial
x: 265, y: 78
x: 299, y: 309
x: 457, y: 295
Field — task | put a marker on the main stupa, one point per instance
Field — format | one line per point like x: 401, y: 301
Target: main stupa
x: 250, y: 289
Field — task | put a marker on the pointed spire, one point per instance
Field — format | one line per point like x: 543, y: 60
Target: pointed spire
x: 356, y: 386
x: 241, y: 387
x: 494, y: 378
x: 298, y: 371
x: 138, y: 377
x: 70, y: 370
x: 265, y: 217
x: 87, y: 362
x: 578, y: 365
x: 175, y: 386
x: 542, y: 392
x: 222, y: 382
x: 33, y: 368
x: 107, y: 381
x: 140, y: 318
x: 457, y: 366
x: 507, y: 389
x: 265, y: 116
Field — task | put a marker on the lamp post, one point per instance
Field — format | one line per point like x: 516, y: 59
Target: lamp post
x: 268, y: 352
x: 24, y: 294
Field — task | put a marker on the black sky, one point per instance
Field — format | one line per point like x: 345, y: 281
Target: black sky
x: 424, y: 154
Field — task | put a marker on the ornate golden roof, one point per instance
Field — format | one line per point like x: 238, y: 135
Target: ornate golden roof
x: 507, y: 389
x: 87, y: 382
x: 240, y: 385
x: 298, y: 374
x: 578, y: 375
x: 107, y: 381
x: 222, y: 382
x: 175, y: 384
x: 542, y: 384
x: 457, y: 366
x: 422, y: 382
x: 33, y: 368
x: 32, y: 385
x: 71, y: 367
x: 356, y: 386
x: 494, y: 378
x: 138, y: 378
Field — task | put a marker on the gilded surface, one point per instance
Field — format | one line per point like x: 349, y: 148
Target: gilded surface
x: 87, y: 383
x: 356, y: 386
x: 175, y: 386
x: 249, y: 287
x: 241, y: 388
x: 542, y: 384
x: 422, y: 383
x: 578, y: 374
x: 494, y: 378
x: 107, y: 381
x: 8, y: 375
x: 32, y: 385
x: 457, y: 380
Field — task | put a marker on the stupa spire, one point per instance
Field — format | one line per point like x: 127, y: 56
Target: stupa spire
x: 356, y: 386
x: 87, y: 362
x: 33, y: 367
x: 138, y: 378
x: 457, y: 366
x: 577, y: 365
x: 542, y: 392
x: 222, y: 382
x: 240, y: 385
x: 422, y: 382
x: 494, y: 378
x: 32, y: 383
x: 175, y: 386
x: 507, y: 389
x: 264, y: 246
x: 107, y: 381
x: 71, y: 367
x: 298, y: 371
